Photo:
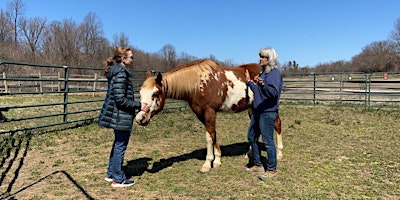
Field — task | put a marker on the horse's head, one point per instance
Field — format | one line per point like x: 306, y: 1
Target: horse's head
x: 153, y: 95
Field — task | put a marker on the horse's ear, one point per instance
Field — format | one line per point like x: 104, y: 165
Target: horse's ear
x: 148, y: 74
x: 159, y: 79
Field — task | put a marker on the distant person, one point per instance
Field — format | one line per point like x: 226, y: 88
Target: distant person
x: 267, y: 90
x: 118, y: 112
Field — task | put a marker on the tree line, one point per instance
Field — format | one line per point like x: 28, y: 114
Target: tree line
x: 65, y: 42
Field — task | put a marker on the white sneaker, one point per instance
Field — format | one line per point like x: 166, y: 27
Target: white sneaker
x: 108, y: 179
x: 125, y: 183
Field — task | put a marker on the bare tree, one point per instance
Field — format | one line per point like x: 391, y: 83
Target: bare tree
x: 6, y: 37
x: 6, y: 30
x: 32, y: 30
x: 168, y: 54
x: 16, y: 10
x: 395, y: 35
x: 184, y: 58
x: 92, y: 35
x: 120, y: 40
x: 62, y: 41
x: 376, y: 57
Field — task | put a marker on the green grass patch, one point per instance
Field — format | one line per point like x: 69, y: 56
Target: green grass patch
x: 329, y: 153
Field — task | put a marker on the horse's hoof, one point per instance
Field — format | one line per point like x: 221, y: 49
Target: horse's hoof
x: 205, y: 169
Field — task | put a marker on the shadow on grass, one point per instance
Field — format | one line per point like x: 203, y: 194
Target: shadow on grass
x: 14, y: 143
x: 139, y: 166
x: 10, y: 195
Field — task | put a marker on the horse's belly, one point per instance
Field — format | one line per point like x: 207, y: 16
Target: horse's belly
x: 238, y: 95
x: 237, y: 102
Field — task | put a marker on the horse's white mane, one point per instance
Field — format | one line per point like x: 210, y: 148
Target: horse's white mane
x: 186, y: 79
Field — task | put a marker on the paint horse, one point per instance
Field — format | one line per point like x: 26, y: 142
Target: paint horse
x: 207, y: 88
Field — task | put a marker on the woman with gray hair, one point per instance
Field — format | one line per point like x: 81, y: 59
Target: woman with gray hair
x: 267, y: 90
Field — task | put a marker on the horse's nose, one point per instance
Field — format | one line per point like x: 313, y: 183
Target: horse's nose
x: 141, y: 119
x: 144, y: 122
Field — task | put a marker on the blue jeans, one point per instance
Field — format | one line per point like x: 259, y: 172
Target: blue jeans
x: 263, y: 123
x: 120, y: 144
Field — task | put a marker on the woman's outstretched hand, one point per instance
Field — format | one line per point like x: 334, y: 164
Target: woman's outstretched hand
x: 145, y: 107
x: 247, y: 76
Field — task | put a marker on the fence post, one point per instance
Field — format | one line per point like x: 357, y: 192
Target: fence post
x: 369, y: 89
x: 340, y: 88
x: 40, y: 83
x: 94, y: 83
x: 5, y: 82
x: 66, y: 71
x: 315, y: 88
x: 59, y: 82
x: 37, y: 85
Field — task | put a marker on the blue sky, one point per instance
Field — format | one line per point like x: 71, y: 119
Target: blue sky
x: 308, y: 31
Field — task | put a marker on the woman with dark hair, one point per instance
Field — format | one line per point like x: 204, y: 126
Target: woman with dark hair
x: 118, y: 112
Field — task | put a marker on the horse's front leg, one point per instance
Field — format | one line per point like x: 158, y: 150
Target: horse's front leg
x: 213, y: 150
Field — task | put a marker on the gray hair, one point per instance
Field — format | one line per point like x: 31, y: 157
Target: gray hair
x: 272, y: 56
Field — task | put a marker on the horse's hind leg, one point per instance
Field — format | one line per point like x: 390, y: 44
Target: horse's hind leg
x: 217, y: 156
x: 278, y: 130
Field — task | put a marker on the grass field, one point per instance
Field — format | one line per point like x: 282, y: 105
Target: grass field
x: 329, y: 153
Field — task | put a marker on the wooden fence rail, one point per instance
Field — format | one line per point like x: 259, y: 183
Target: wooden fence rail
x: 48, y: 82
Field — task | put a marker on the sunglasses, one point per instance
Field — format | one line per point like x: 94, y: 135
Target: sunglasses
x: 263, y: 56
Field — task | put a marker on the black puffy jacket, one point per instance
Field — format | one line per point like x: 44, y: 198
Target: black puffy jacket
x: 119, y: 105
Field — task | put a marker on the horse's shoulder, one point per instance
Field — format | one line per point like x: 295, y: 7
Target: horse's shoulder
x: 250, y: 66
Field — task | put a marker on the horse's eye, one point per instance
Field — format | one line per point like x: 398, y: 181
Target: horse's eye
x: 155, y: 95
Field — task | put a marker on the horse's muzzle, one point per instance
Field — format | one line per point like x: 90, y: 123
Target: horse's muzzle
x: 142, y: 119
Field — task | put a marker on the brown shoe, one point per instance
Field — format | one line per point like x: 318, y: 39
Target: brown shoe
x: 268, y: 175
x: 255, y: 169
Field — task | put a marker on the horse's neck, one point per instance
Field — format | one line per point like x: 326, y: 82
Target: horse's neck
x: 186, y: 82
x: 170, y: 90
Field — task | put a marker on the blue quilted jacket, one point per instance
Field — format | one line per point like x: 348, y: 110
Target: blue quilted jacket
x: 266, y: 98
x: 119, y: 105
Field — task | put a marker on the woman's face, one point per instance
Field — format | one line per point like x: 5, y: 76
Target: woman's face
x: 129, y: 59
x: 263, y: 60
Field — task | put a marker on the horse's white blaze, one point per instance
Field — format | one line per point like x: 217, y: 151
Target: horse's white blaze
x: 236, y: 92
x: 146, y: 97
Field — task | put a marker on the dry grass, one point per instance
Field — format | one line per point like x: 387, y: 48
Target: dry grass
x: 329, y: 153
